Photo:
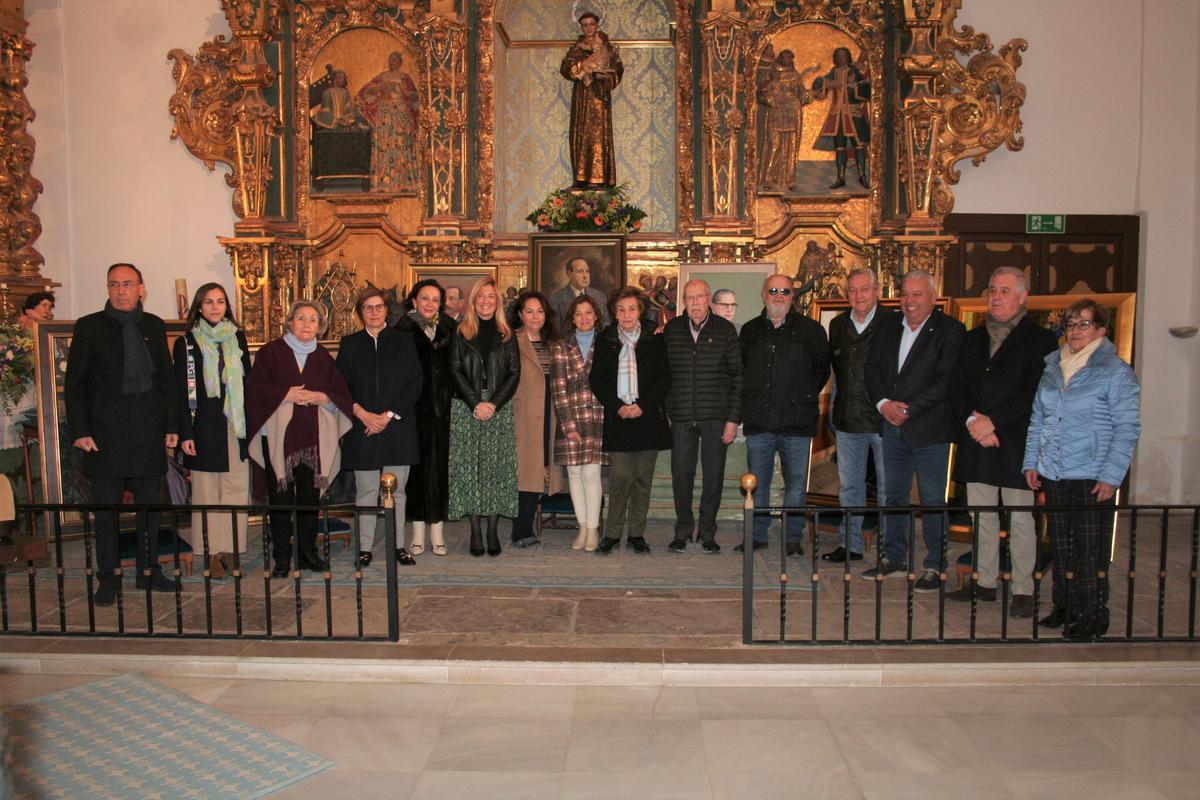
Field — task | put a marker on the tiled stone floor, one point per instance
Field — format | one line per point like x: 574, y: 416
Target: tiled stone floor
x: 424, y: 741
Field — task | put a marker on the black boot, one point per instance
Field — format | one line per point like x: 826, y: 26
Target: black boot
x: 841, y: 171
x: 476, y: 536
x: 493, y: 536
x: 860, y: 159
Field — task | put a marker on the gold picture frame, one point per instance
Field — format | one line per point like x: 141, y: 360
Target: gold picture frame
x: 1049, y: 310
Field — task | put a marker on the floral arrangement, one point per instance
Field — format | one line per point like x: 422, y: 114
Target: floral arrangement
x: 588, y: 211
x: 16, y: 365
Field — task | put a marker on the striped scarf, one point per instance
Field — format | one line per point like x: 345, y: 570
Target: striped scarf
x: 627, y: 376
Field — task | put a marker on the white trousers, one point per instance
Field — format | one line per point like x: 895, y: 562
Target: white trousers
x: 366, y: 494
x: 230, y: 488
x: 586, y: 493
x: 1022, y: 537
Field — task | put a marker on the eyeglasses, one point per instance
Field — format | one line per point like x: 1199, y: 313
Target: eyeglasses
x: 775, y: 290
x: 375, y: 307
x: 1081, y: 324
x: 726, y: 305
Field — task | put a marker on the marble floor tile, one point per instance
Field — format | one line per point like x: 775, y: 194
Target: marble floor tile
x: 1150, y: 744
x: 1029, y: 785
x: 206, y: 690
x: 635, y: 746
x: 912, y: 746
x: 615, y: 702
x: 664, y: 784
x: 407, y: 701
x: 833, y: 783
x: 1012, y: 745
x: 1177, y: 784
x: 373, y: 743
x: 768, y: 745
x: 490, y: 785
x: 870, y: 703
x: 313, y: 698
x: 26, y: 686
x: 489, y: 745
x: 768, y: 703
x: 356, y: 783
x: 949, y: 784
x: 1110, y: 701
x: 292, y: 727
x: 512, y: 702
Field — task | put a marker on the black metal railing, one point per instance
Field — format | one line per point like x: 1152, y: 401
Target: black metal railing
x: 783, y: 602
x: 53, y: 592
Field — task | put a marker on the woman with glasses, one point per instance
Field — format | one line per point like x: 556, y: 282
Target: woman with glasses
x: 1086, y: 421
x: 383, y: 374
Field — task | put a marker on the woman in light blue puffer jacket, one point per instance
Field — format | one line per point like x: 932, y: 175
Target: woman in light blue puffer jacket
x: 1082, y: 433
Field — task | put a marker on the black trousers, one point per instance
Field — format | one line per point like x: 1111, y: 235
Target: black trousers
x: 689, y: 440
x: 301, y: 491
x: 108, y: 491
x: 1081, y: 539
x: 522, y: 527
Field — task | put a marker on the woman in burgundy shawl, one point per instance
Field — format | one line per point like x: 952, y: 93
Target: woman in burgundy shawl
x: 297, y: 408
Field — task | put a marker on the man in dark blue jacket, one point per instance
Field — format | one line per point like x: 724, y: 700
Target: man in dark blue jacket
x: 786, y: 358
x: 908, y: 373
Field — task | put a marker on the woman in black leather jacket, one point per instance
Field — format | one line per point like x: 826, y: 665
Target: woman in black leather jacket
x: 485, y: 368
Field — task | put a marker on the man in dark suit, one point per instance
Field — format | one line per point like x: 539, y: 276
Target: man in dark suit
x: 123, y: 414
x: 991, y: 394
x: 908, y: 374
x: 579, y: 281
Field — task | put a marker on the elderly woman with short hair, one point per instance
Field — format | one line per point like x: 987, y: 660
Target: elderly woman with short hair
x: 1085, y: 424
x: 297, y: 408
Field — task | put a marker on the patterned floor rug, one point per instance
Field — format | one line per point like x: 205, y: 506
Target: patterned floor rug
x: 130, y: 737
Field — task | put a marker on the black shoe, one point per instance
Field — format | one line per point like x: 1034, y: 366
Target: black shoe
x: 741, y: 548
x: 493, y: 536
x: 677, y: 545
x: 929, y: 581
x: 313, y: 562
x: 364, y: 559
x: 405, y: 558
x: 476, y: 548
x: 839, y: 556
x: 983, y: 594
x: 106, y: 595
x: 1081, y: 630
x: 158, y: 582
x: 710, y: 546
x: 528, y: 541
x: 607, y: 544
x: 886, y: 569
x: 1054, y: 619
x: 795, y: 549
x: 281, y: 571
x: 638, y: 544
x: 1021, y: 606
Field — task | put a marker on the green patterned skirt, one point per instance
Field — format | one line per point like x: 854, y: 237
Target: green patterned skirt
x: 483, y: 463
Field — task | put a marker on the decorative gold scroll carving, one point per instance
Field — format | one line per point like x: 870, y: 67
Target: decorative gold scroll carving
x: 448, y: 250
x: 19, y: 225
x: 444, y: 115
x: 684, y: 162
x: 486, y: 157
x: 218, y: 105
x: 722, y: 116
x: 954, y: 111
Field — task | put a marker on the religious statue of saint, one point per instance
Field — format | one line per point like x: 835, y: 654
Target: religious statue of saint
x: 594, y: 66
x: 783, y: 96
x: 337, y: 106
x: 389, y: 103
x: 847, y: 126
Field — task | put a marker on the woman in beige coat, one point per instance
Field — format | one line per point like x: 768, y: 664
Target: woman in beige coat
x: 533, y: 409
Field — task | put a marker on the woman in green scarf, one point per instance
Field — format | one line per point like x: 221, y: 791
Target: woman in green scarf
x: 211, y: 364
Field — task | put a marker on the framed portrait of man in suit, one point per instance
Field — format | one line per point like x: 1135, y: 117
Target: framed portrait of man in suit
x: 564, y: 265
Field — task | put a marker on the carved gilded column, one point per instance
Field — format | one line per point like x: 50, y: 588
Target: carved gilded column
x: 444, y: 118
x: 486, y: 158
x: 684, y: 145
x: 19, y: 225
x: 724, y: 39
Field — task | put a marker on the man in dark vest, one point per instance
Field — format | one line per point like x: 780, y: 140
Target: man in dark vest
x: 991, y: 394
x: 122, y: 413
x: 855, y: 419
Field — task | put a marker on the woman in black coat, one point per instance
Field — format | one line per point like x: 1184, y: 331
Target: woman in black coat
x: 431, y: 331
x: 635, y: 417
x: 211, y: 364
x: 384, y: 377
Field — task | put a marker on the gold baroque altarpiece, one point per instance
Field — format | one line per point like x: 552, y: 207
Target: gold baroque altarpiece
x: 364, y: 190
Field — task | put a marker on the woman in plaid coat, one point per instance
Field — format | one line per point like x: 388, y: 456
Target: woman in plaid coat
x: 580, y: 417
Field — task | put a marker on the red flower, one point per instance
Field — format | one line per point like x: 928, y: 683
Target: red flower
x: 581, y: 215
x: 637, y: 225
x: 599, y: 221
x: 543, y: 220
x: 558, y: 201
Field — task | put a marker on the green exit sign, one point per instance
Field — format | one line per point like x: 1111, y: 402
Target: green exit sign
x: 1045, y: 223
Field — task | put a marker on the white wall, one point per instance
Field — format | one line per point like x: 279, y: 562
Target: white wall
x: 1111, y: 126
x: 117, y: 187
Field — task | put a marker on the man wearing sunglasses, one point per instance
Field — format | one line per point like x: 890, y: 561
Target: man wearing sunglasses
x: 786, y: 359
